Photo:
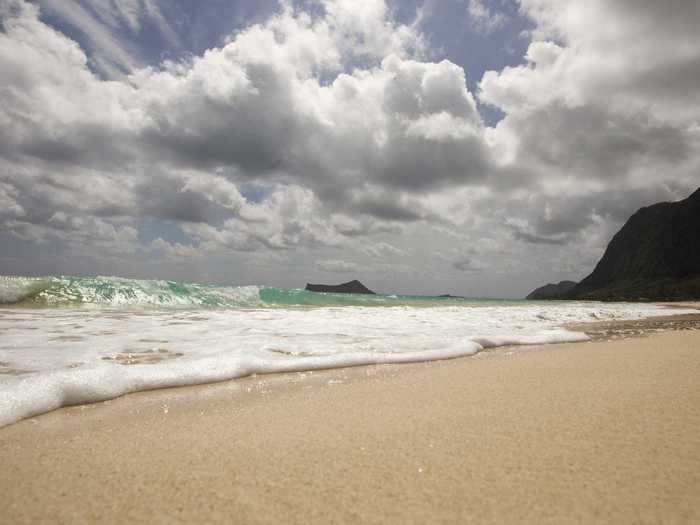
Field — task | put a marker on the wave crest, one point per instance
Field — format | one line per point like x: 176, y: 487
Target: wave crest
x: 120, y: 292
x: 18, y: 289
x: 140, y: 293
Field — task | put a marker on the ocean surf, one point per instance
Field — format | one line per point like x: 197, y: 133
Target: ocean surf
x: 68, y: 340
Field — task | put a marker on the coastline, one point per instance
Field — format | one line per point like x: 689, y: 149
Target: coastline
x: 599, y: 431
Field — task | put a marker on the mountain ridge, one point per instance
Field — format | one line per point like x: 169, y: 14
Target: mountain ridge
x: 551, y: 290
x: 654, y: 256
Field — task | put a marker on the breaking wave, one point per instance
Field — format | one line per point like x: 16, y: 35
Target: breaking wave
x: 138, y: 293
x: 69, y: 340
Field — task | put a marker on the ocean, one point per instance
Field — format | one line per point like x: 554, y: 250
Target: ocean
x: 73, y: 340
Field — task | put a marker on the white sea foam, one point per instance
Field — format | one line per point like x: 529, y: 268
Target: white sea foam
x: 17, y: 289
x: 118, y: 292
x: 56, y: 357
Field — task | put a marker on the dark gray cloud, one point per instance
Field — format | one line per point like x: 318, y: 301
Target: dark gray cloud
x: 531, y: 238
x: 593, y: 142
x: 467, y: 265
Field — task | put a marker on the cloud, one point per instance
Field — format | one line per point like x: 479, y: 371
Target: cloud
x: 537, y: 239
x: 131, y: 14
x: 482, y: 18
x: 290, y: 217
x: 466, y: 264
x: 256, y: 109
x: 105, y: 23
x: 588, y: 115
x: 111, y: 56
x: 175, y: 250
x: 382, y: 249
x: 337, y: 266
x: 356, y: 139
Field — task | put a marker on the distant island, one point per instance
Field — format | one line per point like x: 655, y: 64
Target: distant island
x: 354, y: 286
x: 654, y: 257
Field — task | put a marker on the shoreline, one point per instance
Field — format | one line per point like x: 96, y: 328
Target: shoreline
x: 125, y: 383
x: 604, y: 431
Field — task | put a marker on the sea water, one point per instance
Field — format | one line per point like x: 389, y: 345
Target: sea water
x: 68, y: 340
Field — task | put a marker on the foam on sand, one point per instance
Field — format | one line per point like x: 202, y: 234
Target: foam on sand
x: 51, y: 358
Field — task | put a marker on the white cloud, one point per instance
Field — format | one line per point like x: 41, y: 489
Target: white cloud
x: 104, y: 23
x: 175, y: 250
x: 112, y: 57
x: 483, y: 18
x: 289, y: 217
x: 132, y: 14
x: 628, y: 56
x: 382, y: 249
x: 337, y: 266
x: 603, y: 103
x: 176, y: 142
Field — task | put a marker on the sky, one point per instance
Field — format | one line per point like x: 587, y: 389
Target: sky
x: 473, y: 147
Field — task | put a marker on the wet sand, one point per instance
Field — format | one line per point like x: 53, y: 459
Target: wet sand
x: 606, y: 431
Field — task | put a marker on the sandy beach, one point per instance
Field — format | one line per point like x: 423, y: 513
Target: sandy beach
x: 590, y: 432
x: 338, y: 262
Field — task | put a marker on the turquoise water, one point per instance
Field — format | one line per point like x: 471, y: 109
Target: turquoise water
x: 117, y: 291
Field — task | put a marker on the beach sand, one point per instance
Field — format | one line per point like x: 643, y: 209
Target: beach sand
x: 590, y: 432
